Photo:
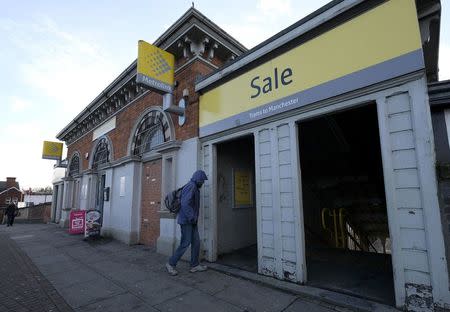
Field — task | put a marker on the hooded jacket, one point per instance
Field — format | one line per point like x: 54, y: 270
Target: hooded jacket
x: 11, y: 210
x: 190, y: 199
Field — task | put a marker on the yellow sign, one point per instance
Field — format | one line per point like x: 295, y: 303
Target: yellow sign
x: 378, y: 45
x: 52, y: 150
x: 243, y: 196
x: 155, y: 68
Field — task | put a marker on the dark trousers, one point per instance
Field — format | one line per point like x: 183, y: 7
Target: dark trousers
x: 189, y: 236
x: 10, y: 220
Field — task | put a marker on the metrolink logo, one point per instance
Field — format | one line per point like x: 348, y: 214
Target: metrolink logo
x: 157, y: 64
x: 155, y: 68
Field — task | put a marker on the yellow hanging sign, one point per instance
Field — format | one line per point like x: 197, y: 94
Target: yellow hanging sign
x: 155, y: 68
x: 52, y: 150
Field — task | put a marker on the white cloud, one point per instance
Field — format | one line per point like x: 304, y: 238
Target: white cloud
x: 268, y: 18
x: 17, y: 104
x: 70, y: 70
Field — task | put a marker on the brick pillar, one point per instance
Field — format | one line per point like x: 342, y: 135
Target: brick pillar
x: 150, y: 202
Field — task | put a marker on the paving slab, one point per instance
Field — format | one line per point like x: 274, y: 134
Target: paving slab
x: 159, y: 289
x: 52, y: 268
x: 252, y: 297
x: 124, y: 273
x: 196, y: 300
x: 303, y: 305
x: 68, y: 278
x: 120, y: 303
x: 210, y: 282
x: 91, y: 291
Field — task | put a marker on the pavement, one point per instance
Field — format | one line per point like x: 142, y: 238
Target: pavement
x: 43, y: 268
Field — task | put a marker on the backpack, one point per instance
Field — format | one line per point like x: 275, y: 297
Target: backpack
x: 173, y: 200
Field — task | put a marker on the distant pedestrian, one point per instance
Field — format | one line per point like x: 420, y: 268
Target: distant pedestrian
x: 187, y: 219
x: 11, y: 212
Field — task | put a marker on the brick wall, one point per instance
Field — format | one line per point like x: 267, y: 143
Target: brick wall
x: 150, y: 202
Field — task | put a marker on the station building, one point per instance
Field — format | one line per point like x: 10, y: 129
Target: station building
x: 318, y: 145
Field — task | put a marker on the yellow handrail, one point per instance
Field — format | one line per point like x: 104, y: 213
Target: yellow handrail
x: 338, y: 226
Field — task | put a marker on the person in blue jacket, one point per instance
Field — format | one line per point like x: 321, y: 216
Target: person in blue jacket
x: 187, y: 219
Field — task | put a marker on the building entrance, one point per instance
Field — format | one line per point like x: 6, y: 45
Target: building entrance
x: 344, y: 207
x: 236, y: 204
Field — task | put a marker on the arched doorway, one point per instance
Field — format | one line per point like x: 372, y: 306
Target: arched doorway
x: 102, y: 157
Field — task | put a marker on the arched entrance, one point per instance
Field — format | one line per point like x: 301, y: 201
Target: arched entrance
x: 102, y: 156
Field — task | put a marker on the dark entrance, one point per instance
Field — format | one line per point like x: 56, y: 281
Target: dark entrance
x: 236, y: 204
x: 344, y: 206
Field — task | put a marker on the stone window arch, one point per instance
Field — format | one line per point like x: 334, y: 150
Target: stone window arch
x: 74, y: 167
x: 101, y: 154
x: 153, y: 129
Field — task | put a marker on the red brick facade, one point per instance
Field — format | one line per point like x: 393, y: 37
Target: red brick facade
x: 150, y: 202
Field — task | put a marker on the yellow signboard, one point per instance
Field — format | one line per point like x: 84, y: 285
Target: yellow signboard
x: 243, y: 196
x: 155, y: 68
x: 378, y: 45
x: 52, y: 150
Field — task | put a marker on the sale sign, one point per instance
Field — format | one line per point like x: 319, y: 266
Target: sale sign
x: 76, y: 221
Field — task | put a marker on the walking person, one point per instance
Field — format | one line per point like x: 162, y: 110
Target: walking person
x: 11, y: 212
x: 187, y: 219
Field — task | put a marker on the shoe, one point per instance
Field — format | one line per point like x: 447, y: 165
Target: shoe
x: 171, y: 270
x: 198, y: 268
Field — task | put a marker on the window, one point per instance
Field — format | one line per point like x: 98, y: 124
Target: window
x: 8, y: 200
x: 152, y: 131
x: 74, y: 167
x: 101, y: 155
x: 15, y: 200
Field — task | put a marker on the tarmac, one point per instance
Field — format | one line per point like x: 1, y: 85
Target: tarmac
x: 43, y: 268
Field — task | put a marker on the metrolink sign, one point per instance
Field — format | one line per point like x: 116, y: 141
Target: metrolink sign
x: 378, y: 45
x: 155, y: 68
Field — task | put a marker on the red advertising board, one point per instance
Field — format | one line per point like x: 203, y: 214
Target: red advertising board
x: 76, y: 221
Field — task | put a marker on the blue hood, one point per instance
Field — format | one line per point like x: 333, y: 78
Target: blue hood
x: 199, y: 176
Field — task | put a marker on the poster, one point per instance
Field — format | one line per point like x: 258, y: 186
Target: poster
x: 76, y: 221
x: 92, y: 223
x: 242, y: 190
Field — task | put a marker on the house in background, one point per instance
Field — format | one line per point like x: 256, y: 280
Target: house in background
x: 10, y: 192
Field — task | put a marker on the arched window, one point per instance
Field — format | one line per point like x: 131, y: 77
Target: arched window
x: 152, y: 131
x: 74, y: 167
x: 101, y: 154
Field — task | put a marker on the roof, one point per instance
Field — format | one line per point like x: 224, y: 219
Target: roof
x: 439, y: 94
x: 3, y: 185
x: 12, y: 187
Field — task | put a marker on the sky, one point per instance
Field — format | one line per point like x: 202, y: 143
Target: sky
x: 57, y: 56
